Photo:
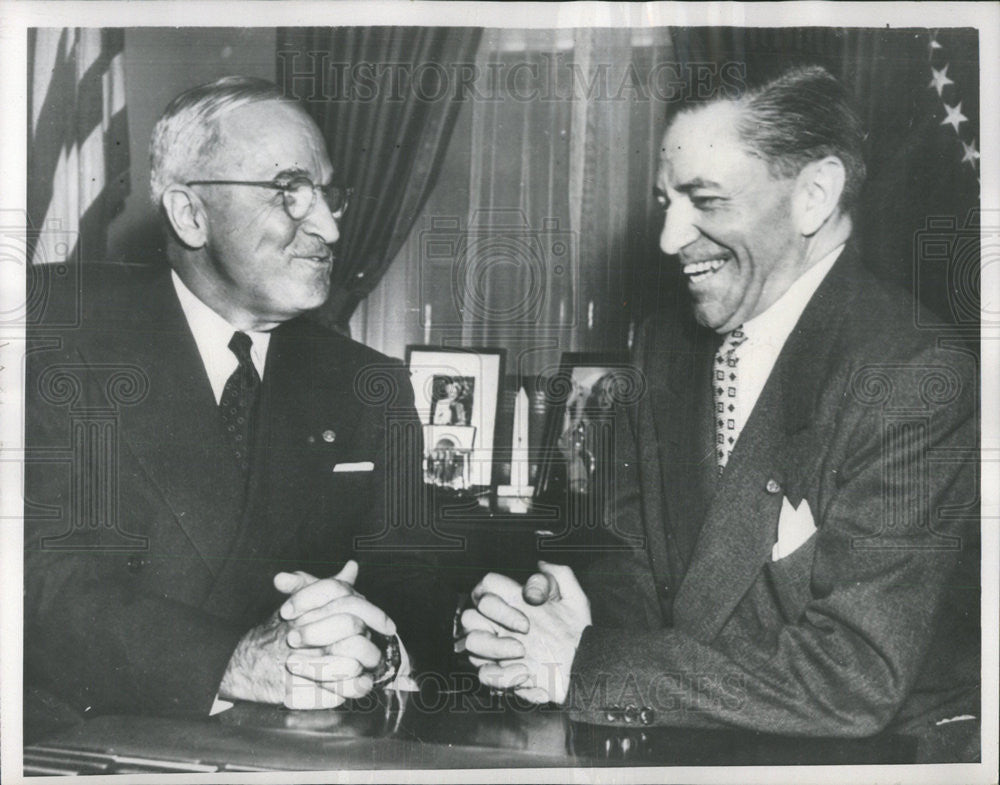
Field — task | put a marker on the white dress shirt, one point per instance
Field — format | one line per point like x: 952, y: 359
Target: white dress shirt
x: 212, y: 334
x: 768, y: 331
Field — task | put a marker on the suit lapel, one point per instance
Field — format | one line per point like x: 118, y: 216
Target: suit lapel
x: 175, y: 432
x: 306, y: 394
x: 779, y: 443
x: 688, y: 455
x: 280, y: 491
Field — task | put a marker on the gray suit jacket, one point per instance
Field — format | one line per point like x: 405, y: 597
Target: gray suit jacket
x: 874, y: 621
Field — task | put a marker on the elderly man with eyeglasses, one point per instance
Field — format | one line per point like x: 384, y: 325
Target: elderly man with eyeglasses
x: 184, y: 562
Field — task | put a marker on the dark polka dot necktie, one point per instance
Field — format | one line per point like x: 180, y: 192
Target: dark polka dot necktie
x: 238, y: 398
x: 725, y: 382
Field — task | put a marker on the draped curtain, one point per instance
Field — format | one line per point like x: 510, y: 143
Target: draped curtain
x: 579, y: 171
x: 383, y: 99
x: 538, y: 239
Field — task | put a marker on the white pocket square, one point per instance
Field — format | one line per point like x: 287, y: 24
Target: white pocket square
x: 795, y: 526
x: 360, y: 466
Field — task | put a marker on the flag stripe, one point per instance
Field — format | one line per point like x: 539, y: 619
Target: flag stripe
x: 51, y: 135
x: 91, y: 169
x: 44, y: 48
x: 78, y: 156
x: 90, y: 91
x: 116, y: 153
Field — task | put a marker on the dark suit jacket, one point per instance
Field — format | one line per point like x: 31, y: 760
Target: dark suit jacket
x: 142, y: 568
x: 874, y: 621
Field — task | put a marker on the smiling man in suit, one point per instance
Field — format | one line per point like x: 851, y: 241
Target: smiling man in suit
x: 802, y: 472
x: 244, y: 450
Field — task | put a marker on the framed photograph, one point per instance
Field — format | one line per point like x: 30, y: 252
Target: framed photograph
x: 457, y: 396
x: 448, y: 455
x: 580, y: 398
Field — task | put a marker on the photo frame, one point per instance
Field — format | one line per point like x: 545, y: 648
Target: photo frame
x: 457, y: 396
x: 580, y: 398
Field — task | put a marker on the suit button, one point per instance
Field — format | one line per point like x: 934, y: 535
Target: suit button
x: 631, y: 713
x: 136, y: 563
x: 647, y: 716
x: 773, y: 486
x: 614, y: 714
x: 329, y: 436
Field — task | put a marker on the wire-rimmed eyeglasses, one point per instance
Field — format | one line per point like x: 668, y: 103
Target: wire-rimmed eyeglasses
x: 298, y: 193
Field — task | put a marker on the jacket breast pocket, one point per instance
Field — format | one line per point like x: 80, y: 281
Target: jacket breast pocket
x: 352, y: 480
x: 791, y: 579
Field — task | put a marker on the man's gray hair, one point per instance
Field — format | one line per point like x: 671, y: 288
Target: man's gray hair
x: 187, y: 134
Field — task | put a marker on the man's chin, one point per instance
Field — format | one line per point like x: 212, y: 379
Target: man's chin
x: 711, y: 317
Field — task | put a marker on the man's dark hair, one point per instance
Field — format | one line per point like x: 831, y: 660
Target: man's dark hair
x: 801, y: 116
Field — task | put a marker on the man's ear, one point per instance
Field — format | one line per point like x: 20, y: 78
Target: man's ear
x: 817, y: 193
x: 186, y: 214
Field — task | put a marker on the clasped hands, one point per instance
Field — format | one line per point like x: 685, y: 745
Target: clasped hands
x: 315, y: 651
x: 524, y: 638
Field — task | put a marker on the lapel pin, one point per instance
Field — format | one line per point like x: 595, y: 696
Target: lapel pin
x: 329, y: 436
x: 773, y: 486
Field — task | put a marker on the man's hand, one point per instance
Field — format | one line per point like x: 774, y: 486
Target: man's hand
x: 313, y: 653
x: 528, y: 646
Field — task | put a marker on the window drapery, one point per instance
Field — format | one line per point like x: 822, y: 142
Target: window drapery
x: 383, y: 99
x: 538, y: 239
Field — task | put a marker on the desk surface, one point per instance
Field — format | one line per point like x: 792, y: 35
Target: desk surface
x: 421, y: 731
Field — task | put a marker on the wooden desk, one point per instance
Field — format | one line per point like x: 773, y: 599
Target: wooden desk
x: 466, y: 727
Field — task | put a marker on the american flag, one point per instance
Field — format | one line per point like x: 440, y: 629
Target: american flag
x: 950, y: 103
x: 78, y: 156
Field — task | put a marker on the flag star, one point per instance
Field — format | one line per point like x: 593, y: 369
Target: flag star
x: 971, y: 154
x: 955, y: 117
x: 939, y: 79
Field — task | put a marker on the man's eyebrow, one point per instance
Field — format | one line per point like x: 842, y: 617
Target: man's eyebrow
x: 287, y: 174
x: 296, y: 171
x: 695, y: 184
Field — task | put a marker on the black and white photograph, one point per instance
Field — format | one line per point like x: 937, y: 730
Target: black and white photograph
x: 451, y: 399
x: 499, y: 392
x: 457, y: 394
x: 581, y: 403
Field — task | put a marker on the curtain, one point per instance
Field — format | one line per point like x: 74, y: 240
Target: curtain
x: 616, y: 136
x: 538, y: 238
x: 518, y: 275
x: 386, y: 99
x: 579, y: 171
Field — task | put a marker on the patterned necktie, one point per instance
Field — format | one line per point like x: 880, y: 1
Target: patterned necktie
x: 238, y: 398
x: 728, y: 417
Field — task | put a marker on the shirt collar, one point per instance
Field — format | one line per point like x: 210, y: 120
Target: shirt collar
x: 212, y: 334
x: 776, y: 323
